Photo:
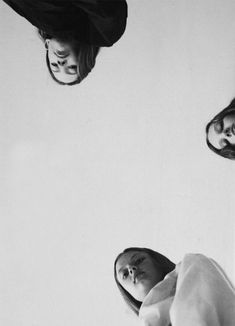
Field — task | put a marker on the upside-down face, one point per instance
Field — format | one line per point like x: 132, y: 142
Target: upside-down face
x: 222, y: 133
x: 63, y: 61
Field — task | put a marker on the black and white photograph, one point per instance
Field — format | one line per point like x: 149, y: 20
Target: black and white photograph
x: 117, y: 162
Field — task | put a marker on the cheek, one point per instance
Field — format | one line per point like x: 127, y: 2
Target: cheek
x: 128, y: 287
x: 122, y: 282
x: 213, y: 137
x: 73, y: 57
x: 51, y: 56
x: 138, y: 292
x: 155, y: 274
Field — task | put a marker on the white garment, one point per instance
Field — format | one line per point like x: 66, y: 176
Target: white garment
x: 195, y: 293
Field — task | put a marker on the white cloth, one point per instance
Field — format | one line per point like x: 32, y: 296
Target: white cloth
x: 196, y: 293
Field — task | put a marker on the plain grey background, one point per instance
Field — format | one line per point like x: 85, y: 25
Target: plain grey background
x: 119, y: 160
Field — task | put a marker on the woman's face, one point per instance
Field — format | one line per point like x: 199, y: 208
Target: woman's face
x: 222, y: 133
x: 137, y: 273
x: 62, y: 60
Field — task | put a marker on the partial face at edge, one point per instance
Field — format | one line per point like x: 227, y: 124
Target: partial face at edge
x: 137, y: 273
x: 222, y: 133
x: 63, y: 61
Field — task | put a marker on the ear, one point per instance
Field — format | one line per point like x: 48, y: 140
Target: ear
x: 47, y: 41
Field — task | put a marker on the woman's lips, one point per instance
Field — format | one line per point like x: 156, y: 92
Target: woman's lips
x: 61, y: 54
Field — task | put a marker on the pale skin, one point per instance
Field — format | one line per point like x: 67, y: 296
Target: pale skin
x: 63, y: 61
x: 222, y: 133
x: 137, y: 273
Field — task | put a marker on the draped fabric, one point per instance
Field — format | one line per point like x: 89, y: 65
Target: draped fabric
x: 196, y: 293
x: 96, y: 22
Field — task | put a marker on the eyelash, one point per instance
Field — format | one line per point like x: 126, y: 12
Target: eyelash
x: 224, y: 142
x: 72, y: 69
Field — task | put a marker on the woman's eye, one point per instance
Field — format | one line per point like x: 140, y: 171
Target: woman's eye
x: 223, y: 142
x: 233, y: 128
x: 54, y: 66
x: 125, y: 274
x: 72, y: 69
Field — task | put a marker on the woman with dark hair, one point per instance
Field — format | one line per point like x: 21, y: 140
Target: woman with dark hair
x: 220, y: 132
x: 195, y: 292
x: 73, y: 32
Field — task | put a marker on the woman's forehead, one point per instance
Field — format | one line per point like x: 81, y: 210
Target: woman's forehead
x: 230, y: 115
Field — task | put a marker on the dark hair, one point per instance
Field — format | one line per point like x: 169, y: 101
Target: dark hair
x: 86, y: 57
x: 227, y: 151
x: 166, y: 266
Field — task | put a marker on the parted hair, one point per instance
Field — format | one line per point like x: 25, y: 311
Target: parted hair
x: 159, y: 260
x: 227, y: 151
x: 86, y: 57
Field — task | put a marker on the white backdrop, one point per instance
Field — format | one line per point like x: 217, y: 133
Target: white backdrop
x: 119, y: 160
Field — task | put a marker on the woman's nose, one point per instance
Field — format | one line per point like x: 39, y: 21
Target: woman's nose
x: 61, y: 62
x: 132, y: 270
x: 228, y: 132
